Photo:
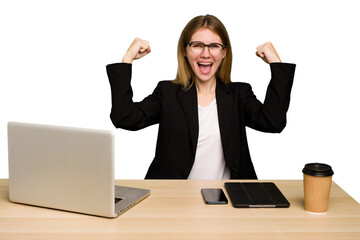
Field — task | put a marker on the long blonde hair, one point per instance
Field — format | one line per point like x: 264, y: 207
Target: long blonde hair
x: 185, y: 75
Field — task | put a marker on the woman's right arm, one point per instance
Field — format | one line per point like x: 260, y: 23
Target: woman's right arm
x: 125, y: 113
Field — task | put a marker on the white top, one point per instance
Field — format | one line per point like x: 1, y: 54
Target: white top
x: 209, y: 159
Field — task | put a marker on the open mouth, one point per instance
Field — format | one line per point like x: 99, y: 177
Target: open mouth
x: 205, y: 68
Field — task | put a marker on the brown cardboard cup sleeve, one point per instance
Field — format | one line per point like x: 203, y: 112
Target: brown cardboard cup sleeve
x: 317, y: 184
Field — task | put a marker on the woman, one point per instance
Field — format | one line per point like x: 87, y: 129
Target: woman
x: 201, y: 114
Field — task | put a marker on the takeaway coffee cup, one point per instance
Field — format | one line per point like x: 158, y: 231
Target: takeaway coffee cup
x: 317, y: 183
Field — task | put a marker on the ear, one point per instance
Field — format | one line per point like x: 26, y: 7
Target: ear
x: 225, y: 53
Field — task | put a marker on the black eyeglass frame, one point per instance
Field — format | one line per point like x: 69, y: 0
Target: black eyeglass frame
x: 206, y: 45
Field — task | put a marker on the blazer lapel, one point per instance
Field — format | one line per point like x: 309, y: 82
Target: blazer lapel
x: 189, y: 102
x: 224, y: 99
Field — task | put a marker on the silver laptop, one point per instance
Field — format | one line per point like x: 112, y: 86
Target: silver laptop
x: 66, y: 168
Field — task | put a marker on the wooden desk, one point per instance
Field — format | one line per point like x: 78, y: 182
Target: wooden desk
x: 175, y: 210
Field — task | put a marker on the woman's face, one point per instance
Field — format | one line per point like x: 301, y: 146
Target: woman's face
x: 205, y: 61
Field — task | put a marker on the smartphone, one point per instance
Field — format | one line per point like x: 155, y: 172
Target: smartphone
x: 214, y: 196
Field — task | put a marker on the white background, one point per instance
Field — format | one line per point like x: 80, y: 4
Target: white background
x: 52, y: 71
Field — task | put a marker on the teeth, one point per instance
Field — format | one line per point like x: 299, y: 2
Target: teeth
x: 205, y: 63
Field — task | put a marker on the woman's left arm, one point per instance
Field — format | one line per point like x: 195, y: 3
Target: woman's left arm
x: 270, y: 116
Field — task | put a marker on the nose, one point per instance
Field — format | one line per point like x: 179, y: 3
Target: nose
x: 205, y: 52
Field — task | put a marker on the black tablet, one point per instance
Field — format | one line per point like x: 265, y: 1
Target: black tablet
x: 255, y: 195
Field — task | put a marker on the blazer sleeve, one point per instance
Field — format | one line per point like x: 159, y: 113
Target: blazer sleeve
x: 271, y: 115
x: 125, y: 113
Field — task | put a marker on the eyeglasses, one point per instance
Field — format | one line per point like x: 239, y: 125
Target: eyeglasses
x: 215, y: 48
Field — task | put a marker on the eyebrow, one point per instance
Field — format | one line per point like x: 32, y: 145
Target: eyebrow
x: 205, y: 43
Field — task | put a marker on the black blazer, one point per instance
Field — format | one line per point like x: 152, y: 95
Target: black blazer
x: 176, y: 111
